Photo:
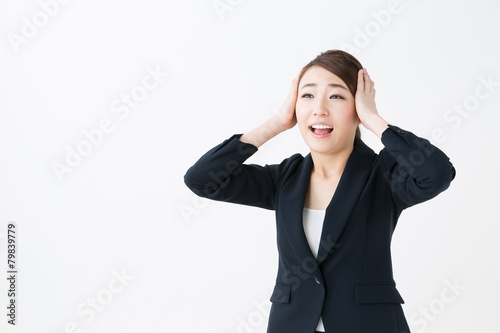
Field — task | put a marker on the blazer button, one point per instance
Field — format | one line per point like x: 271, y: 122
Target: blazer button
x: 317, y: 280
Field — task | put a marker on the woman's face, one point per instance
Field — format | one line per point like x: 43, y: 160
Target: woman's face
x: 324, y: 98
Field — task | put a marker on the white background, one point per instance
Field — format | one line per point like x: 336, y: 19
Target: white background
x: 195, y: 265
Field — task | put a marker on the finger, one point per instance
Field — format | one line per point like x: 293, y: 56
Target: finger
x: 368, y: 78
x: 294, y: 85
x: 368, y: 81
x: 361, y: 83
x: 296, y: 78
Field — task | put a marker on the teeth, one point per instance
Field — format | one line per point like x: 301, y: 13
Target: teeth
x: 321, y: 126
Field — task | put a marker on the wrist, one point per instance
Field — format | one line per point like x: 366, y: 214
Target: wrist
x: 276, y: 124
x: 376, y: 124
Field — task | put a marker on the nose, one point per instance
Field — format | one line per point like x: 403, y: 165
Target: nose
x: 320, y: 112
x: 320, y: 109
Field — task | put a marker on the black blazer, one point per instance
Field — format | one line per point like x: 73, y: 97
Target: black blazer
x: 350, y: 283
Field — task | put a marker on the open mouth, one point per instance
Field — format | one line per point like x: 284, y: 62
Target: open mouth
x: 321, y: 129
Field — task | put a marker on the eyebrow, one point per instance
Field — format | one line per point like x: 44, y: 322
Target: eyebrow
x: 334, y: 85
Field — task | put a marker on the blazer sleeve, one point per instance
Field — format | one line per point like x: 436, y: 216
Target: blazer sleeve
x: 415, y: 169
x: 221, y: 175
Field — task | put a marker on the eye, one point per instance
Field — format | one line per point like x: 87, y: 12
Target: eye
x: 335, y: 96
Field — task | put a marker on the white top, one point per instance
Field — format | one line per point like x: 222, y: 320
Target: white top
x: 313, y: 225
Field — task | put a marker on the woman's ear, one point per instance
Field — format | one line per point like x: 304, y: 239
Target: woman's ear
x: 359, y: 120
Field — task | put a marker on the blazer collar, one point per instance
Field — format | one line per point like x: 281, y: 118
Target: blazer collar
x: 351, y: 184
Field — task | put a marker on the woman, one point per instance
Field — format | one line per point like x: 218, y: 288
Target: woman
x: 337, y: 207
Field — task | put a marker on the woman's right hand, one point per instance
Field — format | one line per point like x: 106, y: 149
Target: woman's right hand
x: 283, y: 120
x: 286, y: 116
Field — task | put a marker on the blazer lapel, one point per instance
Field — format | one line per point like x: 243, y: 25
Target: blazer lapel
x: 351, y: 184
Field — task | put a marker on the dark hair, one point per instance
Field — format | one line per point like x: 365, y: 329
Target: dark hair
x: 342, y: 64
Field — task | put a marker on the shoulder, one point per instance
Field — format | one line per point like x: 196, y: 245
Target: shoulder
x: 289, y: 164
x: 365, y: 158
x: 286, y: 168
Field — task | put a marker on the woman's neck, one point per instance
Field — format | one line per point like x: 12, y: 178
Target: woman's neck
x: 328, y: 165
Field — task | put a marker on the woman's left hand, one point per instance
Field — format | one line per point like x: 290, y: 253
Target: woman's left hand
x: 365, y: 104
x: 365, y: 97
